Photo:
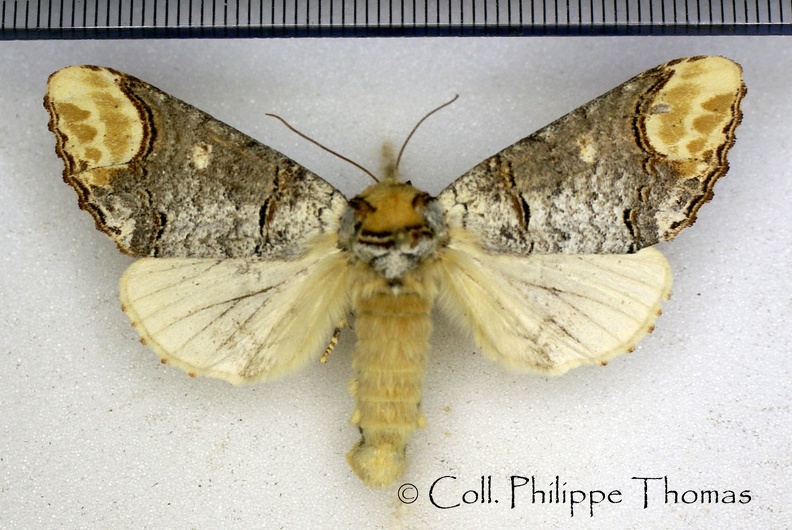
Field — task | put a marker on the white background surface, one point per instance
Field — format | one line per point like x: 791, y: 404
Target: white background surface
x: 95, y: 432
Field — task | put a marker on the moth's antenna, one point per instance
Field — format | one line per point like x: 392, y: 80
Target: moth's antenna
x: 342, y: 157
x: 441, y: 107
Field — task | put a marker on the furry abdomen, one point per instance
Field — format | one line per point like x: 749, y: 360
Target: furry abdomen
x: 392, y: 327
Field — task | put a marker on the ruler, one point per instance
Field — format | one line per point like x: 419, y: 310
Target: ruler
x: 90, y: 19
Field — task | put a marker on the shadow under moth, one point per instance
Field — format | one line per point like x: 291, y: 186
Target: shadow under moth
x: 250, y: 262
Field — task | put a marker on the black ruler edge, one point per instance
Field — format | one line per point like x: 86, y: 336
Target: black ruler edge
x: 141, y: 19
x: 400, y: 31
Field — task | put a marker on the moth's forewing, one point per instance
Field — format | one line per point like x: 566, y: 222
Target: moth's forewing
x: 620, y: 173
x: 164, y: 179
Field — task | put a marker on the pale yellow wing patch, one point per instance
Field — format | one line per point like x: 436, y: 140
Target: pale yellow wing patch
x: 240, y: 320
x: 693, y: 113
x: 97, y: 125
x: 551, y: 313
x: 690, y: 122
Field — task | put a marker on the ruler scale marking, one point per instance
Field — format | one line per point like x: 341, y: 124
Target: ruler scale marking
x: 58, y: 19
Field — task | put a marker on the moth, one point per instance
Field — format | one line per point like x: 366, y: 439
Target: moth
x: 250, y: 262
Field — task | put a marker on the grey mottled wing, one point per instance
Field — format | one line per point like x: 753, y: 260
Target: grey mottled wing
x: 620, y: 173
x: 164, y: 179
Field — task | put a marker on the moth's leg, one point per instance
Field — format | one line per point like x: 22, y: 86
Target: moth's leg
x: 333, y: 340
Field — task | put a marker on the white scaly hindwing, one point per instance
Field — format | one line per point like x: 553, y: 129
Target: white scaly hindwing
x: 240, y: 320
x: 553, y: 312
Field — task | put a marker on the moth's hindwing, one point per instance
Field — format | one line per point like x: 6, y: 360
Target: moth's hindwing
x: 621, y: 173
x: 238, y: 319
x: 552, y: 312
x: 164, y: 179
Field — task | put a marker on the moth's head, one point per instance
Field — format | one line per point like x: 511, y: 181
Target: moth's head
x: 393, y: 227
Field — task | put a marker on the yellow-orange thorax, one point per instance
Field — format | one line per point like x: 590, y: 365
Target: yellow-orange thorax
x: 393, y: 227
